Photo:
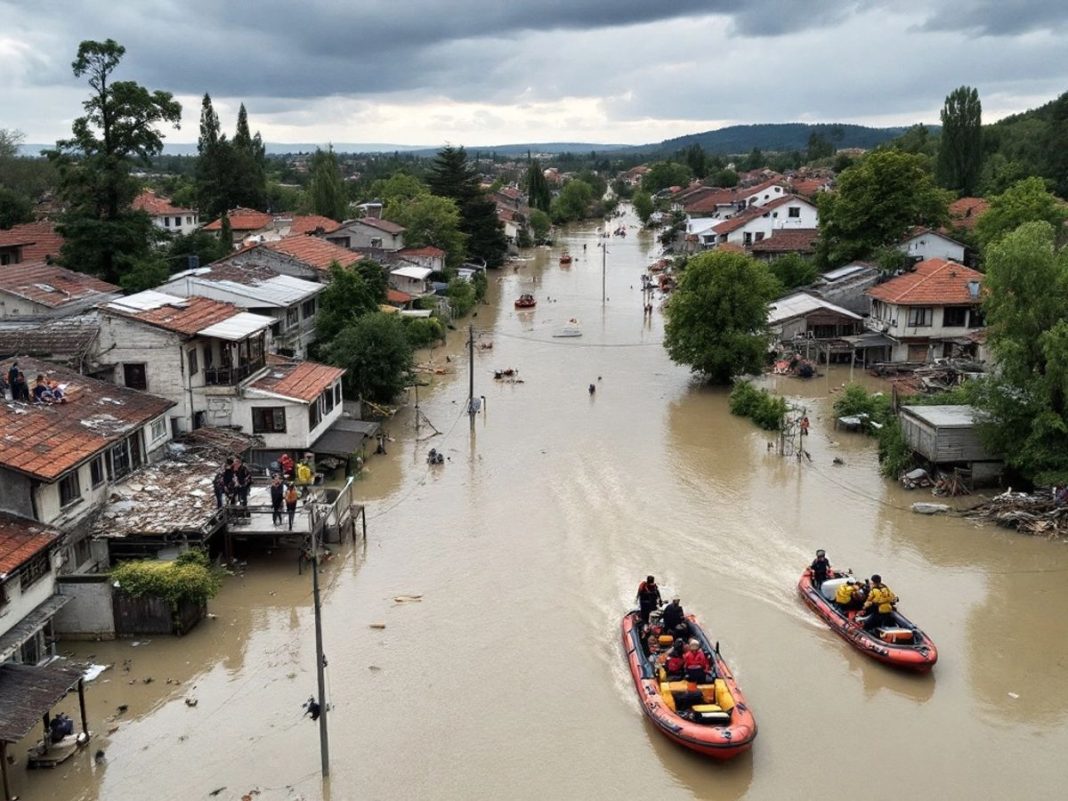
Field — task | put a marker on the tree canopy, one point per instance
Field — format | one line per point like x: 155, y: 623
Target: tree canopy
x: 326, y: 190
x: 376, y: 352
x: 451, y: 176
x: 431, y: 220
x: 876, y: 202
x: 960, y: 150
x: 573, y: 202
x: 538, y: 194
x: 229, y: 172
x: 1025, y: 201
x: 346, y: 298
x: 717, y: 317
x: 664, y: 174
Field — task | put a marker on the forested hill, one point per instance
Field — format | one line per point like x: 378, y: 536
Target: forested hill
x: 780, y: 136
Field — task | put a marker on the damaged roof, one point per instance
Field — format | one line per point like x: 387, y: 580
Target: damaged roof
x: 21, y: 540
x: 314, y: 252
x: 46, y: 440
x: 182, y: 315
x: 53, y: 286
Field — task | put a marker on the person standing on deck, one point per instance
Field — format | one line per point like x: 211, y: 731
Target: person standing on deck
x: 821, y: 566
x: 648, y: 598
x: 277, y: 497
x: 292, y: 496
x: 242, y: 482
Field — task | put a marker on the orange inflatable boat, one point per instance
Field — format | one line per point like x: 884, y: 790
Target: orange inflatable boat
x: 710, y: 717
x: 902, y: 645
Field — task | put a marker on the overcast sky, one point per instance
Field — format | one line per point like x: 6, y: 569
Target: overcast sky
x: 479, y: 72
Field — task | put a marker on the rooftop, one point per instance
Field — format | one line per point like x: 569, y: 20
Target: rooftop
x: 66, y: 337
x: 428, y: 251
x: 838, y: 273
x: 312, y: 251
x: 946, y: 416
x: 247, y: 284
x: 38, y: 240
x: 242, y: 219
x: 21, y: 540
x: 753, y: 212
x: 932, y: 282
x: 801, y: 303
x: 387, y: 226
x: 788, y: 240
x: 308, y: 223
x: 156, y: 205
x: 46, y: 440
x: 186, y: 316
x: 51, y: 285
x: 966, y: 211
x: 413, y: 272
x: 296, y: 380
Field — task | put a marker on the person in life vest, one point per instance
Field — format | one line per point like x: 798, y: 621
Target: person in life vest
x: 648, y: 598
x: 821, y: 566
x: 847, y: 597
x: 304, y: 473
x: 675, y: 664
x: 880, y: 605
x: 285, y: 462
x: 696, y: 662
x: 291, y: 497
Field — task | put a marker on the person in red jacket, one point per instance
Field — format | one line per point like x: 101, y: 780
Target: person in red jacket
x: 675, y: 663
x: 696, y: 662
x: 648, y: 598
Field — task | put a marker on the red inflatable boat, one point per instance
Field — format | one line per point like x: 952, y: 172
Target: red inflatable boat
x: 718, y: 724
x: 902, y: 645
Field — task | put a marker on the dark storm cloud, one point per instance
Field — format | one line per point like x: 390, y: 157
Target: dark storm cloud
x: 1000, y: 17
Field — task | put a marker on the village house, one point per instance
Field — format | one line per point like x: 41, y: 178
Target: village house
x: 411, y: 280
x: 212, y: 360
x: 930, y: 312
x: 165, y: 215
x: 633, y: 176
x: 243, y: 223
x: 847, y: 286
x: 801, y: 316
x: 36, y: 241
x: 251, y: 227
x: 300, y: 256
x: 57, y: 459
x: 291, y: 302
x: 430, y: 257
x: 29, y: 561
x: 759, y: 222
x: 38, y: 291
x: 925, y: 243
x: 372, y: 233
x: 64, y: 340
x: 784, y: 241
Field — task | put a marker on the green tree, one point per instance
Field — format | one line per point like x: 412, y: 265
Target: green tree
x: 876, y: 202
x: 215, y: 165
x: 664, y: 174
x: 461, y: 295
x: 226, y: 235
x: 374, y: 278
x: 717, y: 317
x: 539, y: 195
x: 400, y: 186
x: 431, y: 220
x: 793, y: 270
x: 643, y: 206
x: 1025, y: 201
x: 326, y: 190
x: 14, y: 208
x: 819, y: 147
x: 202, y: 244
x: 1026, y: 306
x: 1054, y: 145
x: 573, y: 202
x: 960, y: 150
x: 103, y: 235
x: 723, y: 177
x: 917, y: 140
x: 452, y: 177
x: 696, y: 160
x: 540, y: 223
x: 377, y: 354
x: 346, y: 298
x: 248, y: 177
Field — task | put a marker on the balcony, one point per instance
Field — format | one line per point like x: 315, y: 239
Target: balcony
x: 230, y: 376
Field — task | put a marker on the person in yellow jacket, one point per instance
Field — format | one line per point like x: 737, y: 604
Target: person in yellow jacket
x: 304, y: 473
x: 845, y: 597
x: 880, y: 605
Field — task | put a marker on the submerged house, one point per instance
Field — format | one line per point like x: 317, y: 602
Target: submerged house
x: 948, y: 437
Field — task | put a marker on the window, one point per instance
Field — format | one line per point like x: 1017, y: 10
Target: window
x: 920, y: 316
x: 167, y: 222
x: 96, y: 471
x: 177, y: 222
x: 976, y: 318
x: 313, y: 414
x: 134, y: 376
x: 194, y: 368
x: 36, y: 569
x: 188, y: 220
x: 309, y: 309
x: 376, y: 242
x: 955, y: 317
x: 126, y: 456
x: 759, y: 236
x: 158, y: 430
x: 292, y: 316
x: 337, y: 394
x: 70, y: 490
x: 748, y: 238
x: 795, y: 211
x: 327, y: 399
x: 268, y: 420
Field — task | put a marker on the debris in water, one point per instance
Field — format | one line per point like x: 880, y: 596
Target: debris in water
x: 217, y: 790
x: 922, y: 508
x: 407, y: 599
x: 378, y: 625
x: 191, y: 702
x: 1014, y: 696
x: 373, y: 667
x: 122, y: 708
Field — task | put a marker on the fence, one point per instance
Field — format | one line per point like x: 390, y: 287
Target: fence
x: 148, y: 614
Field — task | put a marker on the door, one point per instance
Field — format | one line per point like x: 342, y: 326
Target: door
x: 918, y: 353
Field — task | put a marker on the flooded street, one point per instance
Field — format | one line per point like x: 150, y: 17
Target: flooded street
x: 507, y: 680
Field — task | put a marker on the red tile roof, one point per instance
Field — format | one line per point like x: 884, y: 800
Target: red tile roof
x: 314, y: 252
x: 302, y: 381
x: 729, y: 247
x: 807, y: 187
x: 788, y: 240
x: 703, y: 202
x: 382, y: 225
x: 21, y: 540
x: 243, y: 220
x: 965, y: 212
x: 47, y: 440
x: 39, y: 240
x: 194, y: 314
x: 396, y: 296
x: 51, y: 285
x: 934, y: 282
x: 429, y: 250
x: 755, y: 190
x: 310, y: 224
x: 751, y: 213
x: 509, y: 215
x: 151, y: 203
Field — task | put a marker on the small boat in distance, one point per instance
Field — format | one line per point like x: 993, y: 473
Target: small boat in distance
x: 526, y: 301
x: 565, y: 258
x: 902, y: 645
x: 711, y: 716
x: 571, y: 329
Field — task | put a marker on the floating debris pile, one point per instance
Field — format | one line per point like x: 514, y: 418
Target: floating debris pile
x: 1042, y: 513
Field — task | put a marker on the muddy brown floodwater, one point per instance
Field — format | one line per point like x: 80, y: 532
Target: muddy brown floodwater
x: 507, y: 680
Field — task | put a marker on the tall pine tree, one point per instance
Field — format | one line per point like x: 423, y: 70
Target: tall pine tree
x: 249, y: 177
x: 960, y: 151
x: 451, y: 176
x: 538, y: 194
x: 327, y: 190
x: 214, y: 164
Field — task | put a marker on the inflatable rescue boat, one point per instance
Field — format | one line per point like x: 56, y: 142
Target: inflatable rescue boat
x: 709, y: 717
x: 902, y: 645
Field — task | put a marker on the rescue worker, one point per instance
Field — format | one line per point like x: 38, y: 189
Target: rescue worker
x: 674, y: 620
x: 648, y: 599
x: 845, y: 597
x: 821, y: 566
x: 696, y: 663
x: 880, y: 605
x: 675, y: 664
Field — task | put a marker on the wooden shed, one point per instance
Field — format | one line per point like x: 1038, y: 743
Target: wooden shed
x: 949, y: 435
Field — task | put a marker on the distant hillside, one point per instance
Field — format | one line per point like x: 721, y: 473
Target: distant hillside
x: 780, y: 136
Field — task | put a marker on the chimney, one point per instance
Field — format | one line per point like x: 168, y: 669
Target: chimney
x: 973, y: 289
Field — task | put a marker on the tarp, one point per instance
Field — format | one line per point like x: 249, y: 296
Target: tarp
x: 344, y: 437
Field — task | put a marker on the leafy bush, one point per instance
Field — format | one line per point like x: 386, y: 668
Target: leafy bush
x: 857, y: 400
x: 461, y: 295
x: 190, y: 577
x: 422, y: 332
x: 895, y: 456
x: 759, y: 405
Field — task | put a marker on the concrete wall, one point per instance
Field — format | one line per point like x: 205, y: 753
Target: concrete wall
x: 21, y: 602
x: 15, y: 494
x: 365, y: 236
x: 90, y: 614
x: 932, y: 246
x: 775, y: 219
x: 297, y: 436
x: 16, y: 308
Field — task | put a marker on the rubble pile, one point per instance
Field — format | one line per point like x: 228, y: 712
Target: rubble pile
x: 1038, y: 513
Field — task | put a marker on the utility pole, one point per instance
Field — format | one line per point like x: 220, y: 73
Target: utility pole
x: 471, y: 371
x: 320, y: 658
x: 604, y: 261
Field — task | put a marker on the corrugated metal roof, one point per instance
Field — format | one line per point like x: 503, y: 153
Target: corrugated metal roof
x: 237, y: 327
x: 416, y: 273
x: 800, y: 303
x: 145, y: 301
x: 279, y: 291
x: 962, y: 416
x: 842, y: 272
